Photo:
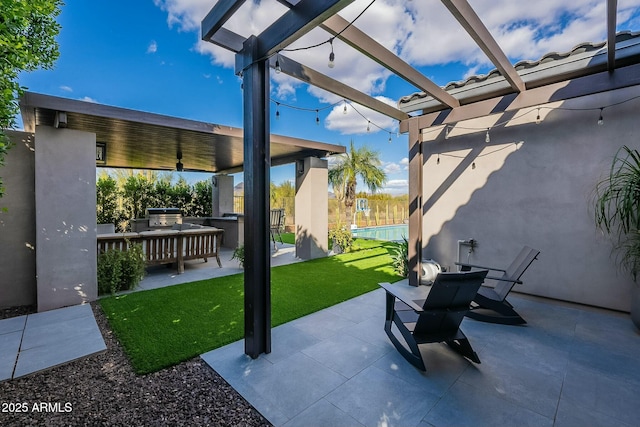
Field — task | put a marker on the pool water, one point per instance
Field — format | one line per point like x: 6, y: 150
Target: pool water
x: 387, y: 232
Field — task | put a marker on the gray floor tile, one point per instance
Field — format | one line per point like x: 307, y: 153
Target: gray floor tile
x: 572, y: 415
x: 599, y: 393
x: 536, y: 390
x: 9, y: 346
x: 465, y: 405
x: 444, y: 367
x: 59, y: 315
x: 376, y: 398
x: 371, y: 331
x: 61, y: 330
x: 13, y: 324
x: 53, y: 354
x: 286, y: 340
x: 323, y: 324
x: 323, y: 413
x: 346, y: 354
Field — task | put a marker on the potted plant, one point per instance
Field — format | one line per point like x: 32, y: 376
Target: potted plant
x: 617, y: 212
x: 341, y: 239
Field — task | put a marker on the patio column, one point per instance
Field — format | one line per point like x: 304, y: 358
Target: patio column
x: 312, y: 205
x: 222, y: 195
x: 415, y: 202
x: 257, y: 162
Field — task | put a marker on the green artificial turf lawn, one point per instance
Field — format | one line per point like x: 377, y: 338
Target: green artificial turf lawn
x: 162, y: 327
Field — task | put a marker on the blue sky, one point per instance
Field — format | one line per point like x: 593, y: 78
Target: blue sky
x: 147, y: 55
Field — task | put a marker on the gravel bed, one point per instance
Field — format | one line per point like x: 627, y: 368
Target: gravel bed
x: 102, y: 389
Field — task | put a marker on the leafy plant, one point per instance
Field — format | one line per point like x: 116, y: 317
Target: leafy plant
x: 341, y: 237
x: 238, y: 253
x: 120, y: 270
x: 617, y: 207
x: 400, y: 257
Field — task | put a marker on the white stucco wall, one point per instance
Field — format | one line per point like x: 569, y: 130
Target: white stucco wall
x: 531, y: 185
x: 65, y: 187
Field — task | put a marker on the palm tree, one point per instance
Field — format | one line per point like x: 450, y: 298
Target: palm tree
x: 357, y: 162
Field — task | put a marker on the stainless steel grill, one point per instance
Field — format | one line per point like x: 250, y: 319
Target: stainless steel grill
x: 164, y: 217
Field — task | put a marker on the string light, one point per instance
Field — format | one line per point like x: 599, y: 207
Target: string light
x: 344, y: 110
x: 438, y: 159
x: 446, y: 132
x: 368, y: 125
x: 332, y: 56
x: 473, y: 165
x: 601, y: 119
x: 538, y: 117
x: 317, y: 118
x: 278, y: 69
x: 277, y: 111
x: 389, y: 137
x: 487, y: 138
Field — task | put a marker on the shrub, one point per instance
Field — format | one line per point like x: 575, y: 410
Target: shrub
x: 400, y: 257
x: 120, y: 270
x: 341, y: 237
x: 238, y: 253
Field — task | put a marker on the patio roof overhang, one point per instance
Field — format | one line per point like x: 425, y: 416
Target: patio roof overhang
x: 141, y: 140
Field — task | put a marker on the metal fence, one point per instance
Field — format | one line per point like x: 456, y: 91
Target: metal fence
x: 381, y: 212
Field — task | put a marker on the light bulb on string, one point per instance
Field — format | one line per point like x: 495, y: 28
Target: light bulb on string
x: 446, y: 132
x: 601, y: 119
x: 438, y: 159
x: 277, y: 111
x: 344, y: 110
x: 389, y: 137
x: 487, y: 138
x: 332, y: 56
x: 278, y: 69
x: 538, y: 120
x: 473, y: 165
x: 368, y: 125
x: 317, y: 118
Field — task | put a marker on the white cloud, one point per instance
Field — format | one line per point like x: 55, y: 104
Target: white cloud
x: 392, y: 168
x: 396, y: 186
x: 66, y: 88
x: 88, y: 99
x: 153, y: 47
x: 358, y: 118
x: 405, y: 162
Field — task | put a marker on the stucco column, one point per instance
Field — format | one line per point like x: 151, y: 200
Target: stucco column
x: 312, y: 205
x: 65, y: 189
x: 222, y: 194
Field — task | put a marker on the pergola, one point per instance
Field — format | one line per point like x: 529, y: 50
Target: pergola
x: 256, y: 54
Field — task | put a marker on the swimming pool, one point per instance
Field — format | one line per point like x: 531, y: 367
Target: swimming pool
x: 386, y: 232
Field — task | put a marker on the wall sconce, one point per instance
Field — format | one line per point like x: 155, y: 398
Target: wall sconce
x: 300, y: 167
x: 60, y: 120
x: 214, y: 181
x: 101, y: 153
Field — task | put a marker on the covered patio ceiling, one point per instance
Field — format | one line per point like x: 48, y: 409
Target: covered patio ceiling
x: 136, y: 139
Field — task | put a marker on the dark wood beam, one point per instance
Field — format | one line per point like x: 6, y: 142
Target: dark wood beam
x: 315, y: 78
x: 612, y: 9
x: 299, y: 20
x: 360, y: 41
x: 467, y: 17
x: 217, y: 16
x: 415, y: 202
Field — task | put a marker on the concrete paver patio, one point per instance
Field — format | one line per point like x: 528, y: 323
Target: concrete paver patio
x: 569, y: 366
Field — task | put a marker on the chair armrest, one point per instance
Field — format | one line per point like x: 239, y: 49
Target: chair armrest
x: 504, y: 279
x: 391, y: 291
x: 464, y: 264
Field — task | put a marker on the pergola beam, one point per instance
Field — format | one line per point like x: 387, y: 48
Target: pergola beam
x: 467, y: 17
x: 218, y: 15
x: 360, y: 41
x: 315, y: 78
x: 612, y: 6
x: 298, y: 21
